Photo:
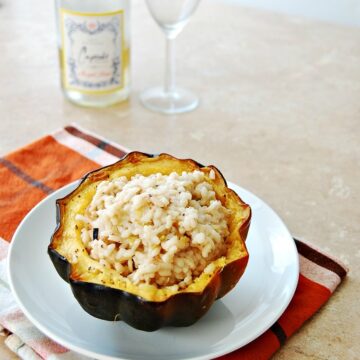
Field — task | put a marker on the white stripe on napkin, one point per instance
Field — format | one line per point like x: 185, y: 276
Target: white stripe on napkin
x: 319, y: 274
x: 84, y: 148
x: 16, y: 345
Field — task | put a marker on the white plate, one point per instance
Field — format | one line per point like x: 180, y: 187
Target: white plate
x: 246, y: 312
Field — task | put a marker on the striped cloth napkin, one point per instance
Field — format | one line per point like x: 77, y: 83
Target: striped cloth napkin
x: 31, y: 173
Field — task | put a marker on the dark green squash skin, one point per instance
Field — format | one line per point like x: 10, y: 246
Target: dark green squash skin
x: 181, y: 309
x: 113, y: 304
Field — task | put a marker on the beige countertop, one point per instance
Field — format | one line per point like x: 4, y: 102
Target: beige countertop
x: 279, y: 115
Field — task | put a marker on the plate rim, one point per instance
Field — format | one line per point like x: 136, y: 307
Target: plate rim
x: 90, y: 353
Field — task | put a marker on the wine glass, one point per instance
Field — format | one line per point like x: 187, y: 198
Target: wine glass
x: 171, y: 16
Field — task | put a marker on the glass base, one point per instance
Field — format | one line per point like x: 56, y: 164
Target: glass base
x: 176, y: 102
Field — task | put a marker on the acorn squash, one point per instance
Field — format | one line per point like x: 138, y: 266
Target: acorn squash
x: 109, y: 296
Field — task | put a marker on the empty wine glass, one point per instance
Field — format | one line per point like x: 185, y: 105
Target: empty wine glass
x: 171, y: 16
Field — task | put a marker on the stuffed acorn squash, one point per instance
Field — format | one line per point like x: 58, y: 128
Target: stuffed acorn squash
x: 151, y: 240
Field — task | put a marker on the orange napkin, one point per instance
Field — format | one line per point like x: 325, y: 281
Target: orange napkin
x: 31, y: 173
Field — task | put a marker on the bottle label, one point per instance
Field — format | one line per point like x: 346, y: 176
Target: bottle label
x: 92, y: 51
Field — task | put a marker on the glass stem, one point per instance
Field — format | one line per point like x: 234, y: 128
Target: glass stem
x: 170, y: 65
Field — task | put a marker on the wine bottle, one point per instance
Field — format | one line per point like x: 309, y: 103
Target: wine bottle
x: 94, y: 50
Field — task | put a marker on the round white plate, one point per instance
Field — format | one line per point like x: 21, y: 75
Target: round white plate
x: 246, y: 312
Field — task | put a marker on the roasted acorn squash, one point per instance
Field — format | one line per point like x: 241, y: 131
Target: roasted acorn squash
x: 109, y: 296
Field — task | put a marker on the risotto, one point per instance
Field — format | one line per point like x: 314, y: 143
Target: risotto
x: 163, y: 230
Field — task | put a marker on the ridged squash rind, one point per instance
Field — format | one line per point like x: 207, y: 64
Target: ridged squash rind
x: 110, y: 297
